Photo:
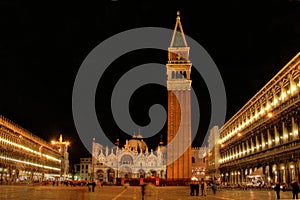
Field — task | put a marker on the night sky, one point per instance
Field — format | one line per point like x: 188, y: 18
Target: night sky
x: 43, y: 44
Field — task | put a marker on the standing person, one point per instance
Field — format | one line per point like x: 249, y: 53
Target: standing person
x: 295, y: 189
x: 197, y: 188
x: 192, y: 188
x: 277, y: 190
x: 202, y: 188
x: 93, y: 186
x: 214, y: 188
x: 143, y: 190
x: 89, y: 185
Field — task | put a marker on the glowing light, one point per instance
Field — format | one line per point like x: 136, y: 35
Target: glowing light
x: 29, y: 163
x: 270, y: 115
x: 293, y: 88
x: 296, y: 132
x: 28, y: 149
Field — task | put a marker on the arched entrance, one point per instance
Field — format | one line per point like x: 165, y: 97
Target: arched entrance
x: 100, y: 175
x: 110, y: 175
x: 141, y: 173
x: 126, y: 172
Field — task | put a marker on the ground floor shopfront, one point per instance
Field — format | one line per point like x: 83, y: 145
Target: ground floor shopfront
x: 279, y: 165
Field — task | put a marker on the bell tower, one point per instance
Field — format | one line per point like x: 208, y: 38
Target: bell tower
x: 179, y: 152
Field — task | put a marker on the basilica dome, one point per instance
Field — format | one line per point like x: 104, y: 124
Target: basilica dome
x: 136, y: 144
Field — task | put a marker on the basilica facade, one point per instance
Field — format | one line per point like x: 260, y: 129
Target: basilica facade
x: 133, y: 160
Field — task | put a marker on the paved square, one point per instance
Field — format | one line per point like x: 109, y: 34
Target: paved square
x: 12, y: 192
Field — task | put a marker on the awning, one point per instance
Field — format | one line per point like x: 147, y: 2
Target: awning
x: 256, y: 173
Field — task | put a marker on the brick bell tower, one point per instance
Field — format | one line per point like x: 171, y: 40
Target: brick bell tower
x: 179, y: 150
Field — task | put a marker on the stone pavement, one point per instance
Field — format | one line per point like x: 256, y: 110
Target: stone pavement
x: 131, y: 193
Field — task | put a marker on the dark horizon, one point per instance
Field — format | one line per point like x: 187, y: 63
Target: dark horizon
x: 44, y: 45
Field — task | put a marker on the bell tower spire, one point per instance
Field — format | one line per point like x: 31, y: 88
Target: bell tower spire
x: 178, y: 39
x: 179, y: 152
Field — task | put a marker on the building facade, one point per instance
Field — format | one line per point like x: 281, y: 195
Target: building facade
x: 131, y: 161
x: 179, y: 156
x: 263, y: 136
x: 85, y: 169
x: 213, y: 155
x: 198, y: 162
x: 26, y: 157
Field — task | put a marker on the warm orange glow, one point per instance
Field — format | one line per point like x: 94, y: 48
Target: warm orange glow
x: 239, y: 134
x: 222, y: 145
x: 270, y: 114
x: 28, y: 149
x: 29, y: 163
x: 52, y: 142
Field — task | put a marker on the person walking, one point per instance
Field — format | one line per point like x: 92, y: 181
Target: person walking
x: 277, y: 190
x: 295, y: 189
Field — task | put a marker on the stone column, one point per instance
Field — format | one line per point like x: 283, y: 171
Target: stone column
x: 242, y: 175
x: 257, y: 143
x: 252, y: 145
x: 285, y: 133
x: 270, y: 144
x: 277, y: 136
x: 247, y: 147
x: 263, y: 142
x: 294, y: 128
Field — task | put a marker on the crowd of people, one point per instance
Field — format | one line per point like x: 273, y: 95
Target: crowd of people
x: 198, y: 188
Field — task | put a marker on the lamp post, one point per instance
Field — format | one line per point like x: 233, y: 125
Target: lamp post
x: 63, y: 149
